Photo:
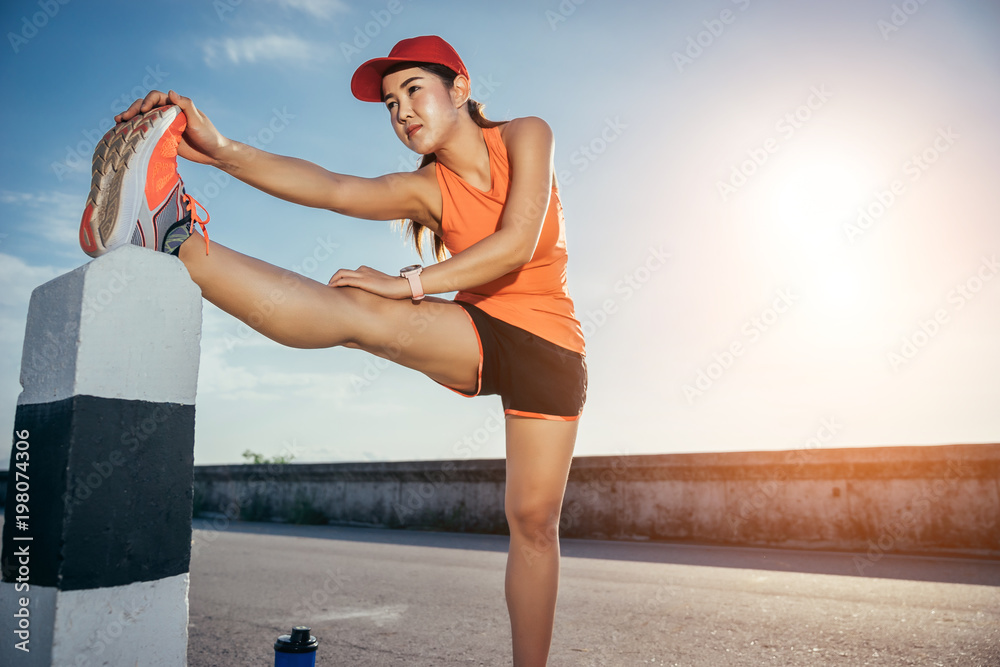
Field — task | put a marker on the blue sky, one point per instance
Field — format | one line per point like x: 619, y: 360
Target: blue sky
x: 781, y: 216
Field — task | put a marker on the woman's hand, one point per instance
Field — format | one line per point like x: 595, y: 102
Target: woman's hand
x: 201, y: 142
x: 370, y: 280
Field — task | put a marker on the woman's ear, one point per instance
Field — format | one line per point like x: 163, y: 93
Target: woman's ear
x: 461, y: 91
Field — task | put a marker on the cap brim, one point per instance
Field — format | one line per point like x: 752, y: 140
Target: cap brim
x: 366, y: 84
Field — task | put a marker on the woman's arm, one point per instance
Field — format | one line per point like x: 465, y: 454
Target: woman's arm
x: 530, y: 148
x: 388, y: 197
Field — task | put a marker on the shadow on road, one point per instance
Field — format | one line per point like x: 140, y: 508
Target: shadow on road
x: 942, y: 569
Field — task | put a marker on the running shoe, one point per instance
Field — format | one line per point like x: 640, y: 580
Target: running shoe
x: 136, y: 195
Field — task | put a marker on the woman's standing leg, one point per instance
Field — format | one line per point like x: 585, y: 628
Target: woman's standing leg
x: 539, y: 453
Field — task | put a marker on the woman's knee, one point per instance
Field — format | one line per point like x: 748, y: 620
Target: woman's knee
x: 317, y: 318
x: 533, y: 519
x: 349, y: 316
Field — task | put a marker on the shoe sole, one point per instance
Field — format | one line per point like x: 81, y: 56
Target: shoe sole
x: 118, y: 183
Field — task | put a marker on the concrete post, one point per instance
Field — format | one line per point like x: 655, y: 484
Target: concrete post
x: 97, y: 526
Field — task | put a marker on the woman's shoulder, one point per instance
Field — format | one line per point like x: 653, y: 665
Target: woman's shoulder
x: 532, y: 126
x: 528, y: 136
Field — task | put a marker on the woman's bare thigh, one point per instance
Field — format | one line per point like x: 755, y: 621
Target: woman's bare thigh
x: 435, y: 337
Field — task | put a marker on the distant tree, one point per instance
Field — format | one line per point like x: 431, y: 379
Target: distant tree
x: 254, y: 457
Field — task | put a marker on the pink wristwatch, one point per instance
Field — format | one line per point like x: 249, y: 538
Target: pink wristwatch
x: 412, y: 274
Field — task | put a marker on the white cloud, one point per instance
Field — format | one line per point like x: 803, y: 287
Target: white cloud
x: 222, y: 379
x: 264, y: 48
x: 321, y: 9
x: 265, y: 378
x: 218, y: 377
x: 53, y: 215
x: 19, y: 279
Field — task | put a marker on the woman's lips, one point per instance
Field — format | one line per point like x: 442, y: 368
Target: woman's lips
x: 413, y: 130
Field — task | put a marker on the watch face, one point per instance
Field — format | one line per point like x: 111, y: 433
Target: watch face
x: 410, y: 268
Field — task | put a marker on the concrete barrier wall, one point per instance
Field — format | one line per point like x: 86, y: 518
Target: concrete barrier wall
x: 934, y: 499
x: 928, y: 499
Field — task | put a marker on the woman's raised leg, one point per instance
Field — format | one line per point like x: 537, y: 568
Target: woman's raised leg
x: 435, y: 337
x: 539, y: 453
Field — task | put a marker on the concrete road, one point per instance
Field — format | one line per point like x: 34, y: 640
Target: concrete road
x: 384, y: 597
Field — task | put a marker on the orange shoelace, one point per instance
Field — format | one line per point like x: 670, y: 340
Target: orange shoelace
x: 189, y: 200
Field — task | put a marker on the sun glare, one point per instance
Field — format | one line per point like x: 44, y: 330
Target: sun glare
x: 839, y: 286
x: 816, y: 194
x: 810, y: 204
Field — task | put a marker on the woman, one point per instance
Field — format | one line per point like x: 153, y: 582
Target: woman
x: 485, y: 191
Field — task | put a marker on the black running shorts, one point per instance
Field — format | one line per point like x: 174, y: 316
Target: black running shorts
x: 533, y: 377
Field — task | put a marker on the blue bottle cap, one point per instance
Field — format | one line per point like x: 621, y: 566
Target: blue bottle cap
x: 300, y: 641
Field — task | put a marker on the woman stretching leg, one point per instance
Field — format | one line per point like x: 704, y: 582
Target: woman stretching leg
x: 487, y: 194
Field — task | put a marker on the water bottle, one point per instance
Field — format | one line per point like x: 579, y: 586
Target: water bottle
x: 297, y: 649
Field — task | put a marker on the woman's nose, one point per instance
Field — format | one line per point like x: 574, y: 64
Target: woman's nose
x: 404, y: 112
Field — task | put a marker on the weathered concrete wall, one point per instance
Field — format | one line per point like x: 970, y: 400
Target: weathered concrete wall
x: 890, y: 499
x: 935, y: 499
x: 442, y: 495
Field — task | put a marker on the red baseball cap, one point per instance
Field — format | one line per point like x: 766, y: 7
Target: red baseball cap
x: 366, y: 84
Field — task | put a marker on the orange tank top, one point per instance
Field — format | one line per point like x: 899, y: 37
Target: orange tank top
x: 534, y: 297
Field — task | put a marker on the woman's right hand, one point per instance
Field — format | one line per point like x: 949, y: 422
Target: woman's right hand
x: 201, y: 142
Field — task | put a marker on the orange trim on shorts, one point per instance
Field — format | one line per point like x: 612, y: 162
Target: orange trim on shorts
x: 479, y: 371
x: 536, y: 415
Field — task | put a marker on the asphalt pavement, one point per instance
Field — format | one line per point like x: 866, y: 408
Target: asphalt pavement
x: 392, y: 597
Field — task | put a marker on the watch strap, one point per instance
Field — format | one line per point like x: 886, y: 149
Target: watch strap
x: 416, y: 287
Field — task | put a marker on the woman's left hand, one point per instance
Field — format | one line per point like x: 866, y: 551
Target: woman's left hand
x: 370, y: 280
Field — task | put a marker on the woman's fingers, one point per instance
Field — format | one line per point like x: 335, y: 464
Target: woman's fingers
x: 128, y: 113
x: 185, y: 103
x: 348, y: 278
x: 201, y: 142
x: 153, y: 98
x: 343, y: 277
x: 372, y: 280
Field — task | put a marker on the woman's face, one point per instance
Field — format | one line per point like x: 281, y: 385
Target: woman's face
x: 421, y: 108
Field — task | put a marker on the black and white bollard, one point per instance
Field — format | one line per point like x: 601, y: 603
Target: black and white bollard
x: 97, y: 523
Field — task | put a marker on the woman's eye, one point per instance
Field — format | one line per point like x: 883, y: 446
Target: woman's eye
x: 411, y: 89
x: 389, y: 106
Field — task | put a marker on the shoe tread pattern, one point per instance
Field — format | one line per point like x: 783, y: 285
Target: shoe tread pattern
x: 111, y: 158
